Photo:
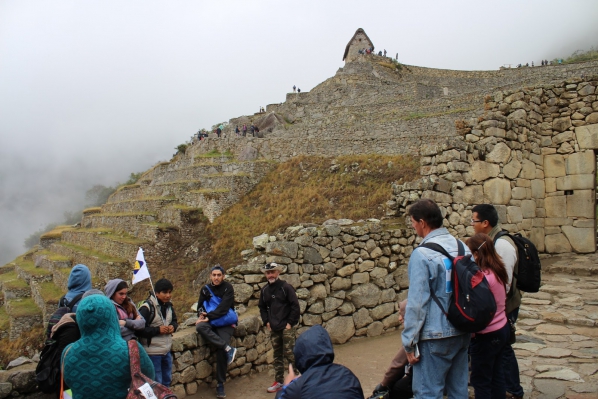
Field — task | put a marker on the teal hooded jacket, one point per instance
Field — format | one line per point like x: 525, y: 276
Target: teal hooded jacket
x: 97, y: 365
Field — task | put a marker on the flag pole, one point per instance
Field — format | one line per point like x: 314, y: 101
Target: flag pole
x: 154, y: 292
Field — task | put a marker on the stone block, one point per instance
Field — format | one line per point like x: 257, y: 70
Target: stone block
x: 592, y: 118
x: 582, y: 240
x: 581, y: 204
x: 557, y: 221
x: 340, y: 329
x: 364, y: 295
x: 561, y: 124
x: 528, y: 170
x: 514, y: 214
x: 580, y: 163
x: 481, y: 170
x: 360, y: 278
x: 537, y: 237
x: 518, y: 193
x: 528, y: 209
x: 500, y: 154
x: 556, y: 207
x: 554, y: 165
x: 469, y: 195
x: 496, y: 132
x: 587, y: 136
x: 538, y: 188
x: 512, y: 169
x: 282, y: 248
x: 557, y: 244
x: 575, y: 182
x: 497, y: 191
x: 589, y: 223
x: 550, y: 184
x: 438, y: 197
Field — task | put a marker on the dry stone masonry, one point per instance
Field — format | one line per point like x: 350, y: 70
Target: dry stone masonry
x: 531, y: 155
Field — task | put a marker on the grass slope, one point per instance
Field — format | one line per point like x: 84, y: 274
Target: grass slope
x: 306, y: 190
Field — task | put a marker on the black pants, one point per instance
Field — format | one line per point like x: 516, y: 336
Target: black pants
x: 220, y: 338
x: 402, y: 388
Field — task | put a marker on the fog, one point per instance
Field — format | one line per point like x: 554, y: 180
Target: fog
x: 92, y: 91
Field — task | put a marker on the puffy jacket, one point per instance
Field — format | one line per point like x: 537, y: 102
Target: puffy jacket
x: 320, y: 378
x: 279, y: 305
x: 429, y: 269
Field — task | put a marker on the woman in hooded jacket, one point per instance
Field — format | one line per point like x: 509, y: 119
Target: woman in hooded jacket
x: 129, y: 319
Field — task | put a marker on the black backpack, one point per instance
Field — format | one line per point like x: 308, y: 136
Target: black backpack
x: 472, y: 305
x: 528, y: 270
x: 64, y: 307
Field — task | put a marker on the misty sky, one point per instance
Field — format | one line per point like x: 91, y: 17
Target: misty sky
x: 91, y: 91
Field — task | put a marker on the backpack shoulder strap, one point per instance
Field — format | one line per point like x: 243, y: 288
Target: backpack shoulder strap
x: 74, y: 301
x: 500, y: 234
x: 208, y: 288
x: 134, y: 357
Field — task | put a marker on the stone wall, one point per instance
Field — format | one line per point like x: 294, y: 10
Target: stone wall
x: 531, y: 155
x: 349, y: 277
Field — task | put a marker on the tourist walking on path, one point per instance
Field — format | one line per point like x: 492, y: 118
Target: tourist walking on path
x: 442, y: 360
x: 244, y: 130
x: 237, y: 131
x: 487, y: 346
x: 485, y: 220
x: 294, y: 88
x: 279, y: 309
x: 129, y: 319
x: 217, y: 336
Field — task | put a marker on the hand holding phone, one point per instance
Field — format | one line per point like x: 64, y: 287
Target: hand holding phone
x: 416, y: 351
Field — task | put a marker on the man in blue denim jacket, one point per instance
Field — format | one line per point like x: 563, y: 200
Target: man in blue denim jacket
x: 442, y: 360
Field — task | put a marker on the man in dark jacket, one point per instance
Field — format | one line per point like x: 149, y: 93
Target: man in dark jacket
x: 279, y: 309
x: 217, y: 336
x: 320, y: 378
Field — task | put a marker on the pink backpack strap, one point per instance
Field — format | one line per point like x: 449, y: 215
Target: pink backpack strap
x: 134, y: 357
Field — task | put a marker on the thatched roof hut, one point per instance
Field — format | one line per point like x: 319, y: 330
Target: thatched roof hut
x: 360, y: 40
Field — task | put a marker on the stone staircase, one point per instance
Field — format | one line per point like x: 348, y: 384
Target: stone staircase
x: 165, y: 213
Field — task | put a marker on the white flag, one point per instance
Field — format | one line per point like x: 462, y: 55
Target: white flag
x: 140, y: 271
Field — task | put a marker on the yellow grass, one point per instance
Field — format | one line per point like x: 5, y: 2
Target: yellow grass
x: 56, y: 232
x: 304, y: 190
x: 27, y: 344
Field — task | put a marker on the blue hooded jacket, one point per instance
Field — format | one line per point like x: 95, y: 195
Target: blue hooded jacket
x: 79, y: 282
x: 97, y: 365
x: 320, y: 378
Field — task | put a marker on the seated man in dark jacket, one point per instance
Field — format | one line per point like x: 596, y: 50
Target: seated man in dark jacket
x: 320, y: 378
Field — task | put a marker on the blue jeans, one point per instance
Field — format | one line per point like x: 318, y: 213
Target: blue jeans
x: 163, y: 368
x: 442, y: 364
x: 509, y: 363
x: 487, y: 374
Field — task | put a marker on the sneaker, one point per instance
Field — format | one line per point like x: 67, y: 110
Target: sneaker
x: 275, y: 387
x: 231, y: 355
x: 220, y: 390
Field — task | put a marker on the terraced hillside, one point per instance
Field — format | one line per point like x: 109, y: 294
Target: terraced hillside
x: 166, y: 213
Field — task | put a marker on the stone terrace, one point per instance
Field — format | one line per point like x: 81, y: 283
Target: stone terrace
x: 165, y: 213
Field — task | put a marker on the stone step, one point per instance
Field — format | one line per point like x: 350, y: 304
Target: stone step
x: 54, y: 235
x: 110, y: 243
x: 46, y: 296
x: 102, y: 266
x: 178, y: 183
x: 49, y: 260
x: 138, y: 205
x: 23, y: 314
x: 143, y: 226
x: 212, y: 202
x: 13, y: 287
x: 27, y: 271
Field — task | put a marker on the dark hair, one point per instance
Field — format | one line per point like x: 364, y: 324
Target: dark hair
x: 217, y: 267
x: 163, y: 285
x: 482, y: 247
x: 486, y: 212
x: 427, y: 210
x: 127, y: 304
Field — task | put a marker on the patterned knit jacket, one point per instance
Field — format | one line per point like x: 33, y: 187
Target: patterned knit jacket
x: 97, y: 365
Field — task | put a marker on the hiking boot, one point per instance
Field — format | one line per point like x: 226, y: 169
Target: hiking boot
x: 220, y: 390
x: 275, y: 387
x: 230, y: 354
